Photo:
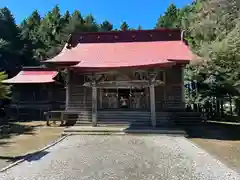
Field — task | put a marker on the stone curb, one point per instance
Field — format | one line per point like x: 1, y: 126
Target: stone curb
x: 30, y: 154
x: 93, y: 133
x: 122, y: 133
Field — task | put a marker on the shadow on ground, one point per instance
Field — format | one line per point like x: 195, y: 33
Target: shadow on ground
x: 13, y: 129
x: 3, y: 143
x: 160, y: 130
x: 211, y: 130
x: 207, y: 130
x: 29, y: 157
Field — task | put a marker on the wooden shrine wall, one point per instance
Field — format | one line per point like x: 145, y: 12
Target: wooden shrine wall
x: 31, y: 101
x: 173, y: 88
x: 80, y: 97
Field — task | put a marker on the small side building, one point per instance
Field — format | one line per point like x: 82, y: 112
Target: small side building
x: 35, y: 90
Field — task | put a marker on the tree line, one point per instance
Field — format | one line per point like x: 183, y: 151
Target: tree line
x: 212, y: 30
x: 38, y: 38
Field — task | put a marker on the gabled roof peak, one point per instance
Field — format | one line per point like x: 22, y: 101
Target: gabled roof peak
x: 125, y: 36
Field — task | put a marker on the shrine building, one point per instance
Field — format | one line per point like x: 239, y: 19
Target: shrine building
x: 119, y: 76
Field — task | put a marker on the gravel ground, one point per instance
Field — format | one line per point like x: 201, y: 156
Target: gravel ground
x: 4, y: 163
x: 122, y: 157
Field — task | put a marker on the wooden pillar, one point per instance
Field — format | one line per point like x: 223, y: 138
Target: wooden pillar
x: 94, y: 105
x: 182, y: 88
x: 164, y: 90
x: 67, y: 89
x: 100, y: 98
x: 152, y: 105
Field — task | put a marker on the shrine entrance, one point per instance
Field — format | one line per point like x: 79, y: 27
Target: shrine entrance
x: 124, y: 94
x: 124, y: 99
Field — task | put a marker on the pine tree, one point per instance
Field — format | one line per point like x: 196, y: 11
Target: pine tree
x: 106, y: 26
x: 4, y: 89
x: 124, y: 26
x: 30, y: 35
x: 49, y: 31
x: 169, y: 19
x: 90, y: 24
x: 11, y: 45
x: 139, y: 27
x: 65, y: 18
x: 213, y: 29
x: 75, y: 24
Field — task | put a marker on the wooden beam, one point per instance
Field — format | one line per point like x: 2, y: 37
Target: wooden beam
x: 152, y: 105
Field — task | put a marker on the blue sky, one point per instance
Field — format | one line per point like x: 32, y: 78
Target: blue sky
x: 135, y: 12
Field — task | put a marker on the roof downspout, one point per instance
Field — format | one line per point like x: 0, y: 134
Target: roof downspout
x: 182, y: 35
x: 68, y: 43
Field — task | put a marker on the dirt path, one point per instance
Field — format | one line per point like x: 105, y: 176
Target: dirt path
x: 21, y: 138
x: 222, y: 140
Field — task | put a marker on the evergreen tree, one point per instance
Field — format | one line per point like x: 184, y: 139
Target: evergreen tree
x: 30, y: 35
x: 49, y: 31
x: 65, y: 18
x: 106, y: 26
x: 90, y: 24
x: 34, y: 20
x: 124, y: 26
x: 4, y: 89
x: 213, y: 33
x: 12, y: 53
x: 75, y: 24
x: 139, y: 27
x: 170, y: 18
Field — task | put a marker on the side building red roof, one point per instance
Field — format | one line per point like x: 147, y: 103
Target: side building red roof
x: 33, y: 76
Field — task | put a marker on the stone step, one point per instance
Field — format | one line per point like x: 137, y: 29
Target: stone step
x: 125, y: 111
x: 124, y: 122
x: 121, y: 130
x: 114, y: 122
x: 122, y: 114
x: 125, y: 119
x: 83, y: 122
x: 122, y: 117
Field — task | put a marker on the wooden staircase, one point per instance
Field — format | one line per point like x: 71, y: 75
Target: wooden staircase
x: 116, y: 118
x: 139, y: 118
x: 130, y: 118
x: 84, y: 118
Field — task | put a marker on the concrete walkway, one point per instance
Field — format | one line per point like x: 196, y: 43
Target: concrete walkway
x: 122, y: 157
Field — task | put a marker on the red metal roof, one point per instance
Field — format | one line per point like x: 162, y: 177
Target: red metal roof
x: 124, y: 49
x: 32, y: 77
x: 125, y: 54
